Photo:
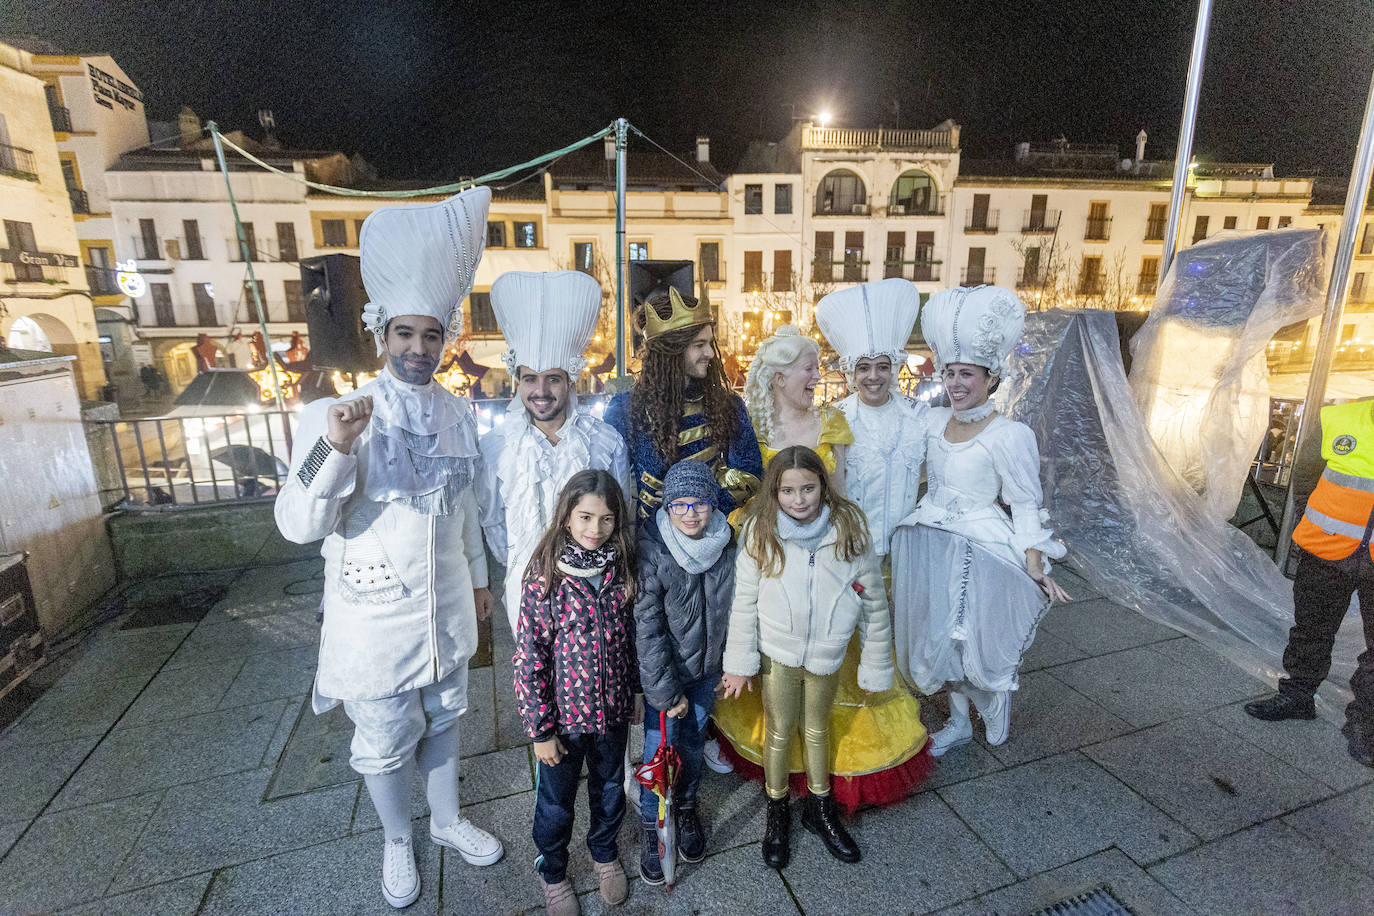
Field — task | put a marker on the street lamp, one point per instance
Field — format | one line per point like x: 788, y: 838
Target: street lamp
x: 824, y: 118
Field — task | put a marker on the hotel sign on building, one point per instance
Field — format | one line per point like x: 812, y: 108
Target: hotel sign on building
x: 110, y: 91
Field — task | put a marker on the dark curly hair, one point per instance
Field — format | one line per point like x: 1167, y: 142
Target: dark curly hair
x: 656, y: 399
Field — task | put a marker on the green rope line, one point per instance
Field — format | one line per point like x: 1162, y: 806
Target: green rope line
x: 419, y: 192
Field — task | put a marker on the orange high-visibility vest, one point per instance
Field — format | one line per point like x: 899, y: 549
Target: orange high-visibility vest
x: 1340, y: 512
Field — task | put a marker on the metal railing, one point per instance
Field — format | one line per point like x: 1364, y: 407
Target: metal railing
x: 984, y: 221
x: 180, y: 461
x: 101, y: 281
x: 977, y: 276
x: 61, y: 118
x: 776, y: 281
x: 908, y: 207
x: 1039, y: 221
x: 221, y: 458
x: 1030, y: 277
x: 917, y: 271
x: 81, y: 201
x: 878, y: 138
x: 1098, y: 229
x: 18, y: 162
x: 825, y: 270
x: 146, y: 249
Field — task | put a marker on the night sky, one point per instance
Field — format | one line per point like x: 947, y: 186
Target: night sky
x: 442, y: 90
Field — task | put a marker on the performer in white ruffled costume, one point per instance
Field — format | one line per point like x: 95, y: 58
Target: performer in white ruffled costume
x: 547, y: 320
x: 970, y: 584
x: 384, y: 476
x: 869, y: 326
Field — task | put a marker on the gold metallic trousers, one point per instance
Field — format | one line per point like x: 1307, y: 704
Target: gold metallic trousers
x: 790, y: 694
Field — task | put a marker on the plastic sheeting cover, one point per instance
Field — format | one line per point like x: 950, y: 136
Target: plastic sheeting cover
x: 1135, y: 530
x: 1198, y: 367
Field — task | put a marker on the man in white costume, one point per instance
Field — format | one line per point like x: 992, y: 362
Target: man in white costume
x: 547, y: 320
x: 384, y: 475
x: 869, y: 326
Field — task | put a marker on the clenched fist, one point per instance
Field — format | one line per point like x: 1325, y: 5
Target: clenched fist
x: 347, y: 420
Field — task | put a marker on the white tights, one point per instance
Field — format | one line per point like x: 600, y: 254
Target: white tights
x: 437, y: 759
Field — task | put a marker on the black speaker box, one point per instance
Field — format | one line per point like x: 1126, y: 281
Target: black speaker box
x: 334, y: 298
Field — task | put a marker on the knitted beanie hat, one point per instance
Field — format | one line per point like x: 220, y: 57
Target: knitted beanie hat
x: 690, y: 479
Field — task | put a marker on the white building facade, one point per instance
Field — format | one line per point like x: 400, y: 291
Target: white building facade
x: 43, y: 289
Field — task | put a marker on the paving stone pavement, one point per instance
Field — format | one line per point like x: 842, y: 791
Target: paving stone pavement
x: 179, y: 769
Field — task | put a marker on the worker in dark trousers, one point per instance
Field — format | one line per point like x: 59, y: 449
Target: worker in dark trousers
x: 1336, y: 561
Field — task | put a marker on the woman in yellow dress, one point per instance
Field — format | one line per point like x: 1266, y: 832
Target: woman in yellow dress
x: 878, y: 750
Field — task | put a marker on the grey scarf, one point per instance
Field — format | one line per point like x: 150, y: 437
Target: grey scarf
x: 696, y: 555
x: 809, y: 536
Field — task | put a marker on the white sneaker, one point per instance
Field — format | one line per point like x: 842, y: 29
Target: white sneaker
x: 400, y: 878
x: 955, y: 733
x: 997, y: 718
x: 475, y: 845
x: 711, y: 754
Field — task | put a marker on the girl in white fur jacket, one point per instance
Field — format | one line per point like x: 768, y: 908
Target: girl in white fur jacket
x: 806, y: 578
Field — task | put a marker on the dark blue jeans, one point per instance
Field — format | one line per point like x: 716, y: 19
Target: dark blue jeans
x: 688, y: 736
x: 556, y: 793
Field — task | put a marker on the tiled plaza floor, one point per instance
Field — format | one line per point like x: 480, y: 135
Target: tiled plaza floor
x: 178, y: 769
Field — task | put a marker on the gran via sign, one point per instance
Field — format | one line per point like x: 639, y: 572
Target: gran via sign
x: 38, y: 258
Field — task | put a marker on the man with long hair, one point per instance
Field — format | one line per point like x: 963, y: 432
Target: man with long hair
x: 682, y: 407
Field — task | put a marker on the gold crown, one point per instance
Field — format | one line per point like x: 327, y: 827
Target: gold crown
x: 682, y: 316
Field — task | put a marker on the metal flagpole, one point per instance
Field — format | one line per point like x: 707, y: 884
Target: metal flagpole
x: 1185, y: 134
x: 621, y: 130
x: 1309, y: 424
x: 248, y: 259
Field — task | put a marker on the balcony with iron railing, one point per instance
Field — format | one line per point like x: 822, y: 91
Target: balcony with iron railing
x: 147, y: 249
x: 17, y: 162
x: 917, y: 271
x: 81, y: 201
x: 977, y: 276
x: 844, y: 138
x: 830, y: 208
x: 981, y: 221
x: 1098, y: 229
x: 1036, y: 221
x: 1090, y: 286
x: 850, y: 270
x: 101, y: 281
x: 264, y: 249
x: 935, y: 206
x: 61, y: 117
x: 777, y: 281
x: 1030, y: 277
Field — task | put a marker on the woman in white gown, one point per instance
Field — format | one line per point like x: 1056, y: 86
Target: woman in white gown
x: 970, y: 583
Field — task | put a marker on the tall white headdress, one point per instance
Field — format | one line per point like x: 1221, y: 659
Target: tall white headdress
x: 547, y: 318
x: 421, y: 259
x: 978, y: 325
x: 874, y: 319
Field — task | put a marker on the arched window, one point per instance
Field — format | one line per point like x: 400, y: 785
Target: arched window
x: 915, y: 192
x: 840, y: 192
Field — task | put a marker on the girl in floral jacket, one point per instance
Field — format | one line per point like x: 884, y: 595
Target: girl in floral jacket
x: 576, y: 677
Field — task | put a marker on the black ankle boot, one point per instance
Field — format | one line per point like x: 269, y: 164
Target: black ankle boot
x: 650, y: 868
x: 691, y: 836
x: 777, y: 842
x: 820, y: 817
